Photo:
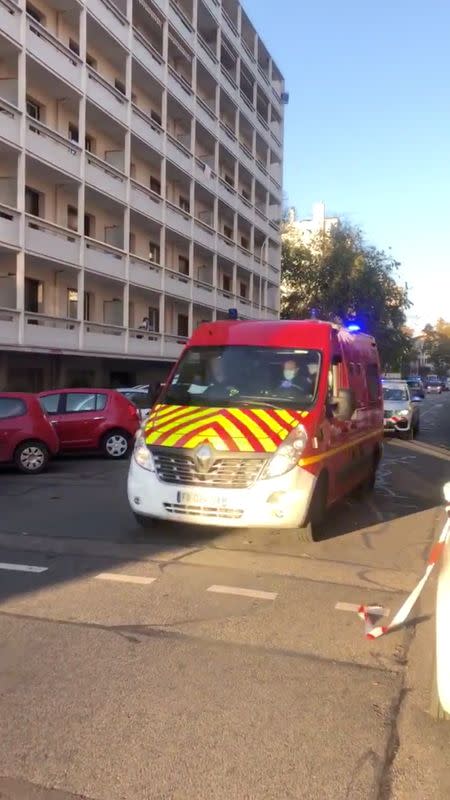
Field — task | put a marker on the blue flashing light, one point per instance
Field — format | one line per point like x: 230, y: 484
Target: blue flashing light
x: 353, y: 328
x: 232, y: 313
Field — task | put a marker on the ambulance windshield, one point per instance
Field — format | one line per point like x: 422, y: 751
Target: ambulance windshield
x: 242, y: 376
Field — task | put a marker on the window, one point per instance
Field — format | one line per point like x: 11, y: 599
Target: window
x: 243, y: 289
x: 50, y: 403
x: 153, y: 319
x: 32, y: 202
x: 132, y: 170
x: 245, y: 242
x: 120, y: 86
x: 72, y: 218
x: 228, y: 232
x: 72, y: 303
x: 78, y: 402
x: 74, y: 134
x: 89, y: 225
x: 184, y: 204
x: 155, y: 116
x: 132, y: 242
x: 228, y: 179
x: 12, y: 407
x: 226, y: 283
x: 245, y: 194
x: 183, y: 325
x: 154, y: 252
x: 89, y: 143
x: 91, y: 61
x: 33, y: 109
x: 34, y: 295
x: 74, y: 46
x: 373, y: 382
x: 183, y: 265
x: 34, y: 12
x: 155, y: 185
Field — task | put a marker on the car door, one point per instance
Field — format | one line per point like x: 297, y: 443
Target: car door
x: 80, y: 419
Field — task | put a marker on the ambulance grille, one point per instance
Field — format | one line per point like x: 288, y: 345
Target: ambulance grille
x: 203, y: 511
x: 230, y: 472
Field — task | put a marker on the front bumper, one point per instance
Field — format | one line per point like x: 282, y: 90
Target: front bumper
x: 397, y: 424
x: 239, y: 508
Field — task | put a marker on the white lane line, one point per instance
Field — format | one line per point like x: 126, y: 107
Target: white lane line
x: 116, y: 576
x: 22, y: 567
x: 243, y: 592
x: 355, y: 608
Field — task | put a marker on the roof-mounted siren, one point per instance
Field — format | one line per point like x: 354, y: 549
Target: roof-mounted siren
x: 232, y: 313
x: 285, y: 98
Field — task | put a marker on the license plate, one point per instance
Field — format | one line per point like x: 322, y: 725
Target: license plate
x: 197, y: 499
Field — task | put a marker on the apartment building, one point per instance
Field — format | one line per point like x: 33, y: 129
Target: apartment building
x: 141, y: 146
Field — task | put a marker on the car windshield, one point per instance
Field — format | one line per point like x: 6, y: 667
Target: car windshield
x: 245, y: 376
x: 396, y: 394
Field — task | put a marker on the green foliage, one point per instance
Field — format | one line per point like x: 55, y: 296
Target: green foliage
x: 343, y: 277
x: 437, y: 345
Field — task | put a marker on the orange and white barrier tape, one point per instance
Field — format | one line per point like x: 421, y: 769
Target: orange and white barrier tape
x: 372, y: 614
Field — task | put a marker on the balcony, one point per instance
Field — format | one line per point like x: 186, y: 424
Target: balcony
x: 9, y: 227
x: 230, y: 27
x: 180, y: 88
x: 181, y: 23
x: 10, y: 15
x: 100, y: 338
x: 147, y: 130
x: 245, y: 156
x: 105, y: 178
x: 9, y: 122
x: 55, y: 332
x: 204, y: 234
x: 141, y: 343
x: 49, y: 240
x: 144, y: 51
x: 245, y: 208
x: 205, y: 175
x: 230, y: 84
x: 206, y: 115
x: 177, y: 284
x: 226, y: 247
x: 52, y: 54
x: 243, y: 306
x: 224, y: 300
x: 227, y: 193
x: 203, y: 293
x: 146, y: 201
x: 110, y: 17
x: 106, y: 96
x: 228, y: 137
x: 9, y: 326
x: 49, y: 146
x: 103, y: 258
x: 178, y: 220
x: 173, y: 345
x: 245, y: 258
x: 207, y: 56
x: 145, y: 273
x: 213, y: 7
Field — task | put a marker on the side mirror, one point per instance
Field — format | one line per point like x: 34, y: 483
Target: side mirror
x: 344, y: 404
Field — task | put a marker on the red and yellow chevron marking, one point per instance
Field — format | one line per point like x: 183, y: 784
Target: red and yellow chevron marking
x: 226, y: 429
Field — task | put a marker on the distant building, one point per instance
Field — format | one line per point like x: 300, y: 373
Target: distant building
x: 307, y: 229
x: 421, y: 362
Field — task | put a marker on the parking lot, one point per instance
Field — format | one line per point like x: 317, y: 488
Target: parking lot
x: 191, y: 662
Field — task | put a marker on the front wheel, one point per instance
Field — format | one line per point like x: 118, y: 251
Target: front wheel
x: 115, y: 444
x: 317, y: 509
x: 31, y: 457
x: 408, y: 436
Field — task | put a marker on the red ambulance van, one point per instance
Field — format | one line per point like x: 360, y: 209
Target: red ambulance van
x: 261, y: 424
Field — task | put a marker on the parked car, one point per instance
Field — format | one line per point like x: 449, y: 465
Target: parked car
x: 434, y: 386
x: 27, y: 438
x: 416, y: 387
x: 140, y: 398
x: 401, y: 415
x: 92, y: 419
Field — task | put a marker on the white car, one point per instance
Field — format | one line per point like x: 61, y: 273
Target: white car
x: 140, y: 398
x: 401, y: 415
x: 441, y: 680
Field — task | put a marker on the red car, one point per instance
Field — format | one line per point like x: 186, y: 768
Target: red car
x: 27, y: 438
x: 92, y: 419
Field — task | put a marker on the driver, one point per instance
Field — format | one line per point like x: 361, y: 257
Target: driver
x: 292, y: 379
x: 218, y: 380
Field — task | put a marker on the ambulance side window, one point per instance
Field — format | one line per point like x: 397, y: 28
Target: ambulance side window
x: 373, y: 382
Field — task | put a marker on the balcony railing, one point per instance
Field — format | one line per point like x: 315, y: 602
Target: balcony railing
x: 106, y: 96
x: 9, y: 122
x: 207, y: 54
x: 178, y: 219
x: 42, y: 330
x: 105, y: 259
x: 109, y: 15
x: 181, y: 23
x: 177, y: 284
x: 178, y: 153
x: 54, y: 55
x: 53, y: 148
x: 204, y: 234
x: 180, y: 88
x: 173, y: 344
x: 101, y: 338
x: 146, y: 201
x: 9, y: 226
x: 47, y: 239
x: 230, y: 24
x: 147, y: 129
x: 10, y: 15
x: 144, y: 343
x: 105, y: 178
x: 203, y: 293
x: 145, y: 273
x: 9, y: 325
x: 147, y: 54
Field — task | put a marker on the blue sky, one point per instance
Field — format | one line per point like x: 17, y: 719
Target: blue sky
x: 368, y: 125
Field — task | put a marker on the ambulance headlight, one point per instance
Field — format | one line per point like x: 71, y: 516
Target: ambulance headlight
x: 288, y: 454
x: 447, y: 492
x: 404, y: 412
x: 142, y: 454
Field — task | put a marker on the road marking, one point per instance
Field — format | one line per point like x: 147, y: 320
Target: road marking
x: 22, y: 567
x: 243, y: 592
x: 117, y: 576
x: 355, y: 608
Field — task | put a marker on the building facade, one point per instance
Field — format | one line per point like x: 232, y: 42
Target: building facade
x: 141, y: 147
x: 308, y: 229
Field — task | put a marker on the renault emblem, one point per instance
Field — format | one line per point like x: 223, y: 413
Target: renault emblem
x: 204, y: 458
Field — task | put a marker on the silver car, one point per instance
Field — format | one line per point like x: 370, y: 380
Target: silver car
x: 401, y: 414
x: 140, y: 398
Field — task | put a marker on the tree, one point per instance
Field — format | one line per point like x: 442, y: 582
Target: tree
x: 437, y: 345
x: 343, y: 278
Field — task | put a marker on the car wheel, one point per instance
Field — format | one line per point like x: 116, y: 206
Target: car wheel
x: 417, y: 429
x: 317, y: 509
x: 143, y: 521
x: 407, y: 435
x: 115, y: 444
x: 31, y: 457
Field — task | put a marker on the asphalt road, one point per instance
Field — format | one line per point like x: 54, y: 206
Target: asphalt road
x: 133, y: 666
